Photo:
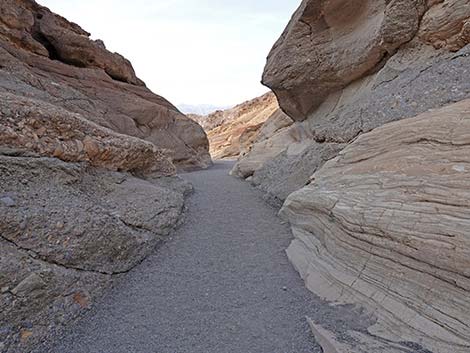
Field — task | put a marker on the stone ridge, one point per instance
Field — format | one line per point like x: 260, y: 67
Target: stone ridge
x: 36, y: 29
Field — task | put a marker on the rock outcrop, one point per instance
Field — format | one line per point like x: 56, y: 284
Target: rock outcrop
x: 87, y: 166
x: 375, y: 166
x: 385, y: 224
x: 52, y: 131
x: 416, y: 78
x: 232, y: 132
x: 66, y: 230
x: 45, y: 57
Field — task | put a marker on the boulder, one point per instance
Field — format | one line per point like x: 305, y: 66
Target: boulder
x: 384, y: 225
x: 328, y: 44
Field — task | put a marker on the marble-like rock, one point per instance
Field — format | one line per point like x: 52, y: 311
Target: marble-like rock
x: 385, y: 225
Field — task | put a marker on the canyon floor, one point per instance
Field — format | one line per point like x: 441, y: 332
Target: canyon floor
x: 222, y: 283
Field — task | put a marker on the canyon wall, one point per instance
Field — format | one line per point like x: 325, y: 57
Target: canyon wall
x: 232, y: 132
x: 45, y: 57
x: 373, y: 166
x: 88, y: 161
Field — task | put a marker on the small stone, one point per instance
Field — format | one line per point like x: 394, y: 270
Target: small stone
x: 3, y: 290
x: 8, y: 201
x: 284, y: 288
x: 25, y: 334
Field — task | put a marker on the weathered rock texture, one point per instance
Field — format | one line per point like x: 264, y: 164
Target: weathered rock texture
x: 329, y: 44
x: 233, y: 131
x: 385, y: 224
x: 416, y: 78
x: 45, y: 57
x: 65, y: 230
x: 55, y: 132
x: 87, y: 179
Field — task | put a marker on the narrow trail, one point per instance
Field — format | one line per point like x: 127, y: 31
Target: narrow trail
x: 222, y: 284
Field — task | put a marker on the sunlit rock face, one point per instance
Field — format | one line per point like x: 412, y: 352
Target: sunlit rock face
x: 232, y: 132
x: 43, y: 56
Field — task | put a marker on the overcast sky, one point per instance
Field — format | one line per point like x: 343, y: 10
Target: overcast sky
x: 189, y: 51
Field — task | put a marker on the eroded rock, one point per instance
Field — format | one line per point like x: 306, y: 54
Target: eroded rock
x: 329, y: 44
x: 72, y: 228
x: 384, y: 225
x: 52, y: 131
x: 45, y: 57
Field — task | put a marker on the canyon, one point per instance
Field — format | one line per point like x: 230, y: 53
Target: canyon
x: 362, y: 146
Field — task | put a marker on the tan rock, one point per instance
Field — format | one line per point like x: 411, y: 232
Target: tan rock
x: 447, y: 24
x: 384, y: 225
x: 233, y: 131
x: 329, y: 44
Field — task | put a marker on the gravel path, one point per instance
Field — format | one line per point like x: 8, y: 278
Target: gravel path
x: 221, y: 284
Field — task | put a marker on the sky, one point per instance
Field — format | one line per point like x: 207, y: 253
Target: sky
x: 189, y: 51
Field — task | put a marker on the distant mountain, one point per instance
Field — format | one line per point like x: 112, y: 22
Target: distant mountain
x: 200, y: 109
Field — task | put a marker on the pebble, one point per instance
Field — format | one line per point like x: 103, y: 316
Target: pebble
x: 8, y: 201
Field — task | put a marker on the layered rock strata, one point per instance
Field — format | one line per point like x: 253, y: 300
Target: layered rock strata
x: 232, y: 132
x: 384, y: 224
x: 375, y: 167
x: 416, y: 78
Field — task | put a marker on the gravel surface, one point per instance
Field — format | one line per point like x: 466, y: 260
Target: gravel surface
x: 222, y: 284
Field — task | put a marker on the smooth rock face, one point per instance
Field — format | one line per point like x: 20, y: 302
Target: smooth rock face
x: 64, y: 232
x: 45, y: 57
x: 330, y: 43
x: 271, y: 139
x: 385, y: 224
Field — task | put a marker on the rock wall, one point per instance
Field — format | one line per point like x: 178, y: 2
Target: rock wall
x: 66, y: 231
x: 373, y: 167
x: 418, y: 77
x: 88, y: 183
x: 232, y: 132
x: 45, y: 57
x: 384, y: 224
